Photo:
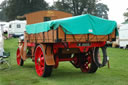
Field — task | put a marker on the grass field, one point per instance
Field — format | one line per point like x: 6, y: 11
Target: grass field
x: 66, y: 74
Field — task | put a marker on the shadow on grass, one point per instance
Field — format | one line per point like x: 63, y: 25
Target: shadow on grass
x: 28, y: 66
x: 69, y: 73
x: 61, y: 73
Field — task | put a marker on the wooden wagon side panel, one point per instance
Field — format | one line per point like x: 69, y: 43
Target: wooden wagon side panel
x: 84, y: 37
x: 39, y: 38
x: 70, y: 38
x: 94, y: 38
x: 52, y: 36
x: 32, y: 37
x: 49, y: 37
x: 58, y: 35
x: 43, y: 37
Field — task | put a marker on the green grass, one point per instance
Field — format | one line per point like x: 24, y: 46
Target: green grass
x: 66, y: 74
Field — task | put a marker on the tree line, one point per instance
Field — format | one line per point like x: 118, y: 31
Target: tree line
x: 10, y: 9
x: 126, y: 15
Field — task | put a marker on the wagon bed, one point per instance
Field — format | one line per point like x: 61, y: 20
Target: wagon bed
x: 84, y: 28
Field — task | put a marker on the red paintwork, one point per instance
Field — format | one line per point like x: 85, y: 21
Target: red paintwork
x: 39, y: 61
x: 18, y: 58
x: 30, y: 44
x: 74, y: 45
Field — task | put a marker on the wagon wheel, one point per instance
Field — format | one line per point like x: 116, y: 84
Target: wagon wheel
x: 20, y: 61
x: 88, y: 65
x: 100, y: 56
x: 41, y: 67
x: 76, y: 62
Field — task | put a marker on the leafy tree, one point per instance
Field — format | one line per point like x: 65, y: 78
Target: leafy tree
x: 20, y: 7
x: 3, y: 6
x: 76, y: 7
x: 101, y: 10
x: 126, y: 15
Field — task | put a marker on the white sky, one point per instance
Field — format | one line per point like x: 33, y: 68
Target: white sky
x: 116, y: 8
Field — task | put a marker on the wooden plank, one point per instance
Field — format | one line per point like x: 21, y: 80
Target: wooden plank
x: 39, y: 37
x: 49, y: 57
x: 46, y: 37
x: 94, y: 38
x: 51, y: 36
x: 61, y: 34
x: 77, y: 38
x: 32, y: 38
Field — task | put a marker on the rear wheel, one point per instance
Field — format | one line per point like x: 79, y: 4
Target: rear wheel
x: 87, y: 64
x: 19, y: 59
x: 100, y: 56
x: 76, y: 62
x: 41, y: 67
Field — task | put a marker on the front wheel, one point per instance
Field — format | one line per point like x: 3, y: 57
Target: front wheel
x: 19, y: 59
x: 42, y: 69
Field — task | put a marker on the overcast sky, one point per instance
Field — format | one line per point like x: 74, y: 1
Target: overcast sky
x: 116, y: 8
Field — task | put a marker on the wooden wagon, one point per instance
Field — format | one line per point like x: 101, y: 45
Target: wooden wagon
x: 53, y: 36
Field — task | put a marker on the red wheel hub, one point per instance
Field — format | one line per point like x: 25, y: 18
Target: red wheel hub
x: 18, y: 58
x: 39, y: 61
x: 86, y: 66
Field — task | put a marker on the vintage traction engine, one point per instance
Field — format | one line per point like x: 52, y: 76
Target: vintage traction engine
x: 75, y: 39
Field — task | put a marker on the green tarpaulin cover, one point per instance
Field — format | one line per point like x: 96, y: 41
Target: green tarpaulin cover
x: 82, y: 24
